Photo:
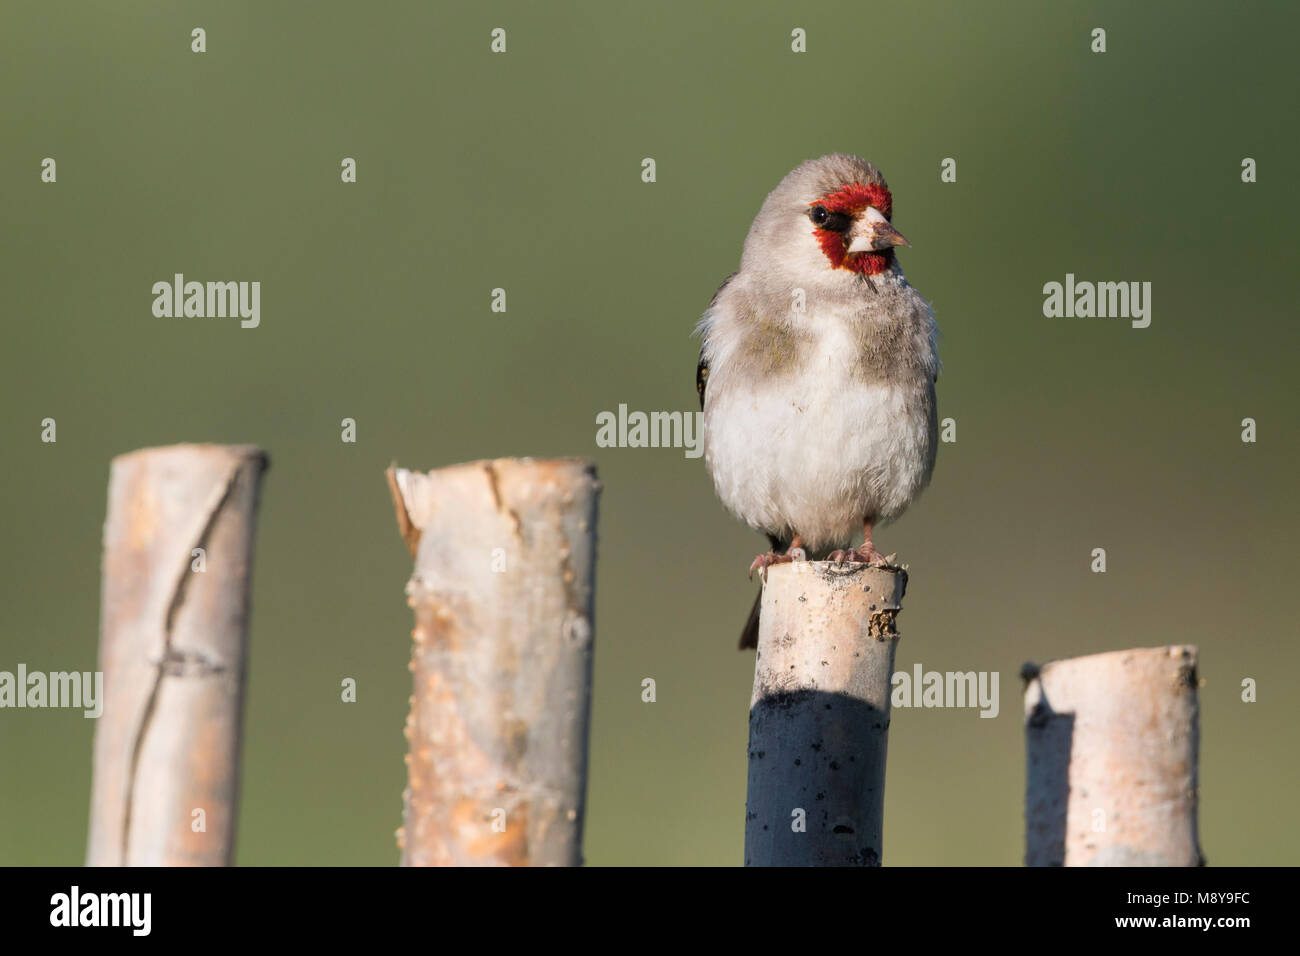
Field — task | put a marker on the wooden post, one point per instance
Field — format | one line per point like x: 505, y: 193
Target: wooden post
x: 505, y: 556
x: 178, y: 551
x: 1112, y: 760
x: 819, y: 715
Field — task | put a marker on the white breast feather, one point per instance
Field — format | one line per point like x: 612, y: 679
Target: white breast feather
x: 817, y: 453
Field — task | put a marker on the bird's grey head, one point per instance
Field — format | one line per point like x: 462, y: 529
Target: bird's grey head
x: 825, y: 228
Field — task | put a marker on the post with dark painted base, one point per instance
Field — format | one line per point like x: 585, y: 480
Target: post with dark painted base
x: 1111, y: 776
x: 819, y: 715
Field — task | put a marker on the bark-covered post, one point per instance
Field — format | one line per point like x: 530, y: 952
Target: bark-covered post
x: 178, y: 552
x: 505, y: 557
x: 819, y: 715
x: 1112, y: 745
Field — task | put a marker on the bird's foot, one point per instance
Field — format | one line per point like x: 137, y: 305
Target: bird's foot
x: 764, y: 561
x: 863, y: 555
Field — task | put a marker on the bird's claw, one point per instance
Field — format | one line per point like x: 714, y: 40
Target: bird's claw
x: 764, y: 561
x: 868, y: 556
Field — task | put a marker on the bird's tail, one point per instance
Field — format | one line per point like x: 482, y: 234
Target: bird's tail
x: 749, y: 636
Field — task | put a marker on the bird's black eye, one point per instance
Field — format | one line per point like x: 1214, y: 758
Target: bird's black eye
x: 823, y: 218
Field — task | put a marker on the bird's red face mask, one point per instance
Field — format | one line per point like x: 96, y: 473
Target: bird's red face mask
x: 853, y: 229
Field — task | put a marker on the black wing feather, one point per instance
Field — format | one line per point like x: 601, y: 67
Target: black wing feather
x: 702, y: 368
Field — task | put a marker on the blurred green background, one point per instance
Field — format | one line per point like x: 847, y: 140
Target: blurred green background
x: 522, y: 171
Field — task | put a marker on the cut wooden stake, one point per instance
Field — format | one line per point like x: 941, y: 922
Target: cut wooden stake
x: 178, y: 551
x: 819, y: 715
x: 1112, y: 760
x: 505, y: 556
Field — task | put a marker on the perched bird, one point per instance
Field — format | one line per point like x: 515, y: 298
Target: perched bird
x: 817, y: 371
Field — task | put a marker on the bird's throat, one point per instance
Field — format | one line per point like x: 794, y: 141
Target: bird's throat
x: 869, y: 263
x: 835, y: 248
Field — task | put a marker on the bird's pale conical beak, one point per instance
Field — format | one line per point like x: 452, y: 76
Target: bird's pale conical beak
x: 873, y: 233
